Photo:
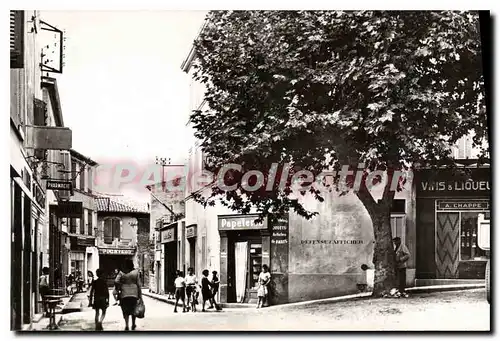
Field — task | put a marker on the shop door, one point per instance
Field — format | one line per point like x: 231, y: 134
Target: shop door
x: 447, y: 244
x: 254, y: 268
x: 170, y: 266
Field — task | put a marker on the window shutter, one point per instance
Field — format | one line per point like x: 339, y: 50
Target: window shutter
x: 16, y: 39
x: 116, y: 228
x: 82, y: 170
x: 74, y: 174
x: 108, y: 233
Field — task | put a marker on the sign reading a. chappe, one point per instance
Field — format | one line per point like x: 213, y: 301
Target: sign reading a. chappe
x: 59, y: 185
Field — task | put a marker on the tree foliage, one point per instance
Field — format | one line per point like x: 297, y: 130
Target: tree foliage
x: 319, y: 89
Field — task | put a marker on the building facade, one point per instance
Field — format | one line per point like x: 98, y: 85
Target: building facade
x: 117, y: 236
x: 167, y: 210
x: 329, y: 249
x: 83, y: 253
x: 37, y: 137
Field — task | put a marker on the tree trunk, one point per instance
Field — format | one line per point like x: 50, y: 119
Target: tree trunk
x: 384, y: 258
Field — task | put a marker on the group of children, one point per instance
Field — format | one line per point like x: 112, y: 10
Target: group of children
x: 186, y: 289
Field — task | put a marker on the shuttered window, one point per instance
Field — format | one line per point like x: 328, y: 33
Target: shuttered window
x: 16, y: 39
x: 82, y: 176
x: 90, y: 224
x: 40, y: 112
x: 111, y: 230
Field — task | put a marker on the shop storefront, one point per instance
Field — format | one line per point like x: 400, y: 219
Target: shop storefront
x: 169, y: 245
x: 244, y: 247
x: 448, y: 207
x: 112, y: 259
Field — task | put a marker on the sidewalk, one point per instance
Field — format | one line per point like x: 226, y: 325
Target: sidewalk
x: 41, y: 323
x: 413, y: 290
x: 171, y: 301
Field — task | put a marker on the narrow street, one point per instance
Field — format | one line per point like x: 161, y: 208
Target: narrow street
x: 436, y: 311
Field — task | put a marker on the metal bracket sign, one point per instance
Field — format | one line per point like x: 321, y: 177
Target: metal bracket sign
x: 69, y: 209
x: 60, y: 185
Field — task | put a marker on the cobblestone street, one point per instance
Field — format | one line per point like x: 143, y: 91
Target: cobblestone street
x: 436, y: 311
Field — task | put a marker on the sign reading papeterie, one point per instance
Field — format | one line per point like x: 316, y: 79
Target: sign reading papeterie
x: 127, y: 252
x: 241, y: 222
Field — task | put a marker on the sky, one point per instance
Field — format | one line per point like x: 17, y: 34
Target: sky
x: 122, y: 91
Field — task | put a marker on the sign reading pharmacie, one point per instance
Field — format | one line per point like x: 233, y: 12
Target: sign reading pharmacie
x: 60, y: 185
x: 446, y: 183
x: 124, y: 252
x: 241, y: 222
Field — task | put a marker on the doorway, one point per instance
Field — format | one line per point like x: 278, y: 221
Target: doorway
x: 244, y: 266
x: 170, y: 267
x: 192, y: 252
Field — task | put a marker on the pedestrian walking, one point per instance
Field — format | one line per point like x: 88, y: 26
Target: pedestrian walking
x: 402, y: 256
x: 215, y: 287
x: 43, y: 288
x: 191, y: 283
x: 99, y: 298
x: 130, y: 292
x: 116, y: 289
x: 263, y: 290
x: 180, y: 291
x: 206, y: 291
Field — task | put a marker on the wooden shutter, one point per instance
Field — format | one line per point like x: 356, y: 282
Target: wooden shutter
x: 16, y: 39
x: 108, y: 234
x: 82, y: 176
x: 40, y: 112
x: 116, y: 228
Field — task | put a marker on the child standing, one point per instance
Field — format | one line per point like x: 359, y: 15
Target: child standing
x: 262, y: 291
x: 99, y: 298
x: 180, y: 291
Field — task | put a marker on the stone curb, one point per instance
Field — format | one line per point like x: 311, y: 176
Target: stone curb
x: 415, y: 290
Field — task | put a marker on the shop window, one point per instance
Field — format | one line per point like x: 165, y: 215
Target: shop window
x: 469, y: 249
x: 255, y: 264
x: 111, y: 230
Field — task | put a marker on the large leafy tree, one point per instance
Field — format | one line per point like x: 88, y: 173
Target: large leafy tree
x: 318, y: 89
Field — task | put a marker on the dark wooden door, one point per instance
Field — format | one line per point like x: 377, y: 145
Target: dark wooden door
x: 170, y: 266
x: 231, y: 284
x: 447, y: 244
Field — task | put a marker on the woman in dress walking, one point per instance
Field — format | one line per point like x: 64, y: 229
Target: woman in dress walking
x: 130, y: 291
